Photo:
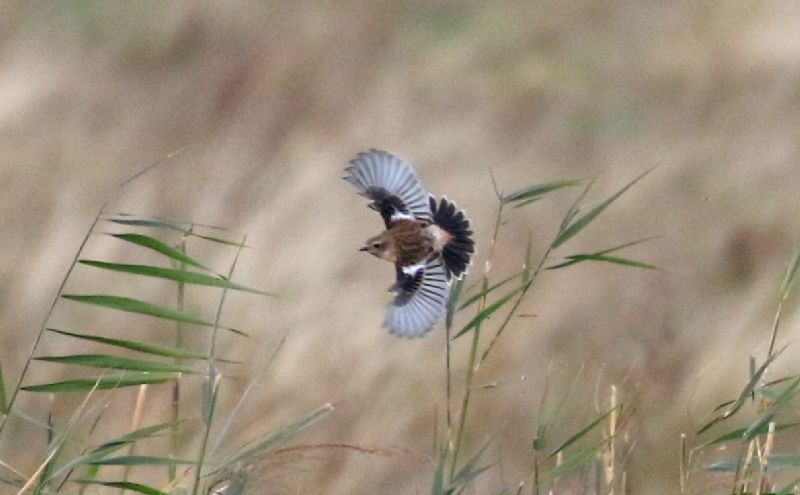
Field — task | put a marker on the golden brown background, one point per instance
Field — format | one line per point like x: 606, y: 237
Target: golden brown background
x: 273, y: 99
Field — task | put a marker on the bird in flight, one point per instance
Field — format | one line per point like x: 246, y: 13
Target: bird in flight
x: 429, y: 243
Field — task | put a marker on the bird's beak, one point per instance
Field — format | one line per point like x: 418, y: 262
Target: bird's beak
x: 363, y: 248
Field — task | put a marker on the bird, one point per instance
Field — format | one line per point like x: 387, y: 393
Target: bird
x: 430, y: 243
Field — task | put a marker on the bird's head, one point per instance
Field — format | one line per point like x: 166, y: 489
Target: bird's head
x: 379, y: 246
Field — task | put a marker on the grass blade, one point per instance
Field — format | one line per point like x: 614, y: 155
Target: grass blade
x: 139, y: 460
x: 578, y: 258
x: 144, y: 347
x: 486, y: 313
x: 475, y: 298
x: 3, y: 403
x: 161, y: 248
x: 531, y: 193
x: 182, y: 276
x: 584, y: 431
x: 469, y: 472
x: 112, y: 446
x: 106, y: 361
x: 738, y: 433
x: 279, y: 437
x: 576, y: 460
x: 124, y: 485
x: 579, y: 224
x: 103, y: 382
x: 600, y: 256
x: 743, y: 395
x: 141, y: 307
x: 151, y: 222
x: 789, y: 276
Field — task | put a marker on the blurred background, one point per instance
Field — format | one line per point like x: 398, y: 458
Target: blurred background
x: 271, y: 99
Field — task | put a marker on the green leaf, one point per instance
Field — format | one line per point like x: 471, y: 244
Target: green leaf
x: 578, y: 258
x: 473, y: 299
x: 577, y: 460
x: 585, y: 430
x: 469, y: 472
x: 144, y: 347
x: 103, y: 382
x: 113, y: 362
x: 531, y: 193
x: 789, y: 276
x: 738, y: 433
x: 452, y: 301
x: 600, y: 256
x: 102, y: 451
x: 159, y: 247
x: 125, y: 485
x: 3, y: 402
x: 486, y: 313
x: 151, y: 222
x: 141, y: 307
x: 139, y: 460
x: 586, y: 219
x: 743, y: 395
x: 182, y: 276
x: 277, y: 438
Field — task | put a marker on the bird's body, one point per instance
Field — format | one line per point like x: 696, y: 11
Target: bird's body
x: 408, y: 242
x: 428, y: 243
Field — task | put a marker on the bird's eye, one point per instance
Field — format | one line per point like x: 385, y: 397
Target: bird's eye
x: 379, y: 245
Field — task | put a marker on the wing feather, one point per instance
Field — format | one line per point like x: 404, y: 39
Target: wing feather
x: 420, y: 301
x: 391, y: 184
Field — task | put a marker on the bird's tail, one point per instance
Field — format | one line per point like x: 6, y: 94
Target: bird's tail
x: 457, y: 253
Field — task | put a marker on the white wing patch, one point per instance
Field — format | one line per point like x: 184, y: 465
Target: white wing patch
x: 422, y: 293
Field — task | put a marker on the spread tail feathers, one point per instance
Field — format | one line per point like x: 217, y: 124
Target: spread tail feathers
x: 457, y: 253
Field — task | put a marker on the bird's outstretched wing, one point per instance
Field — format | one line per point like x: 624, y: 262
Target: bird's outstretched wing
x: 391, y: 184
x: 421, y: 299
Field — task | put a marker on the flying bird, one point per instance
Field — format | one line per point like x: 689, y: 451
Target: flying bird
x: 429, y: 243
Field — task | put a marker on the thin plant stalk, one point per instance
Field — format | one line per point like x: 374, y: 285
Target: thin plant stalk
x: 135, y: 422
x: 213, y: 376
x: 472, y: 365
x: 43, y: 327
x: 176, y: 385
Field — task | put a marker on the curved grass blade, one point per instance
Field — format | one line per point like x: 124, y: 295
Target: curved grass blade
x: 532, y: 193
x: 486, y: 313
x: 767, y: 416
x: 139, y: 460
x: 584, y: 431
x: 124, y: 485
x: 579, y: 224
x: 106, y: 361
x: 452, y: 301
x: 789, y: 276
x: 103, y: 382
x: 144, y: 347
x: 474, y: 298
x: 162, y: 248
x: 141, y: 307
x: 151, y: 222
x: 182, y: 276
x: 276, y: 438
x: 738, y: 434
x: 112, y: 446
x: 576, y: 460
x: 600, y: 256
x: 469, y: 472
x: 743, y: 395
x: 3, y: 403
x: 578, y: 258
